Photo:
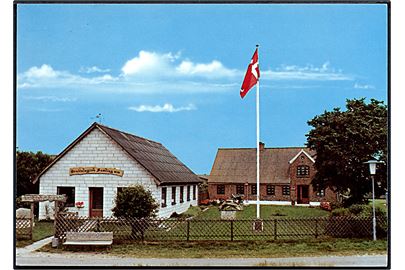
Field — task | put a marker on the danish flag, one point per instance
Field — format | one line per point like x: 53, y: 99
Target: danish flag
x: 252, y: 75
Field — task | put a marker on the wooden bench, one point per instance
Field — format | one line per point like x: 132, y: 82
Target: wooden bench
x: 89, y: 238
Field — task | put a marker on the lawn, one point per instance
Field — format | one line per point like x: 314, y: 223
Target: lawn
x: 41, y: 230
x: 266, y: 212
x: 245, y: 249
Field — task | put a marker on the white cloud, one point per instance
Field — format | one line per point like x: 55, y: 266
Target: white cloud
x: 152, y: 72
x: 215, y: 69
x: 149, y: 63
x: 45, y: 71
x: 363, y: 86
x: 46, y: 77
x: 308, y: 72
x: 50, y: 98
x: 93, y: 69
x: 167, y: 107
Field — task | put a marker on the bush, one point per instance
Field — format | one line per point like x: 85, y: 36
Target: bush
x: 335, y: 205
x: 379, y: 211
x: 356, y: 209
x: 340, y: 212
x: 135, y: 202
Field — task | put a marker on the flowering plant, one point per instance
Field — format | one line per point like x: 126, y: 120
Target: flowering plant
x: 79, y: 204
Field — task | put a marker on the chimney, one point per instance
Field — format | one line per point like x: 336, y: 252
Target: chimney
x: 261, y: 146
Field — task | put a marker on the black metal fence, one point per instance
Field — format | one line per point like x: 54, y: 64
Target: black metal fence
x: 224, y: 230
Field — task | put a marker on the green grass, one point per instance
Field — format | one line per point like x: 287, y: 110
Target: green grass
x: 379, y: 203
x: 41, y: 230
x: 242, y: 249
x: 193, y: 211
x: 274, y: 211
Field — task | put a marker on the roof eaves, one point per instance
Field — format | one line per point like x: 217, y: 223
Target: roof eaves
x: 67, y: 149
x: 300, y: 152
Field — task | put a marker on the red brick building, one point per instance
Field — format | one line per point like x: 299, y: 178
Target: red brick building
x: 285, y: 175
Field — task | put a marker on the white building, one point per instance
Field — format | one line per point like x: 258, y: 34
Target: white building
x: 102, y: 160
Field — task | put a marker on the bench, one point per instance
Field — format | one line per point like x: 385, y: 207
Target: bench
x: 89, y: 238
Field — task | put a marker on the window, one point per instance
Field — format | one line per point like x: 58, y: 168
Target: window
x: 188, y: 193
x: 164, y: 195
x: 194, y: 192
x: 181, y: 194
x: 303, y: 171
x: 70, y: 195
x: 220, y: 189
x: 173, y: 195
x: 286, y: 190
x: 253, y: 189
x: 320, y: 193
x: 240, y: 189
x: 271, y: 190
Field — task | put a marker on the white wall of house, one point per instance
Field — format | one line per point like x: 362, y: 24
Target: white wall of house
x: 178, y: 207
x: 96, y: 149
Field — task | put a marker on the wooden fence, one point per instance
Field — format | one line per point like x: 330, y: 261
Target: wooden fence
x: 23, y: 228
x: 225, y: 230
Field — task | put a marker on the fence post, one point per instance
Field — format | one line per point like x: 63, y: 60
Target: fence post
x: 188, y: 229
x: 275, y: 229
x: 231, y: 230
x: 32, y: 219
x: 316, y: 228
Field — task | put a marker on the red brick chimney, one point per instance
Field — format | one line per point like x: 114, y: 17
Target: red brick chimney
x: 261, y: 146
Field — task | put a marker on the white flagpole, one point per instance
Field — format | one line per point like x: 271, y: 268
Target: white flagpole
x: 257, y: 147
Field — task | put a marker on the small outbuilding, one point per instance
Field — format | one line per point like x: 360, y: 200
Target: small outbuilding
x: 102, y: 161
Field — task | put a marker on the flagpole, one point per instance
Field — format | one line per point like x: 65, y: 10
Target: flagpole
x: 257, y: 146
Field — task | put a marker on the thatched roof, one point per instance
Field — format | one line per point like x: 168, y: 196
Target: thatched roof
x: 238, y: 165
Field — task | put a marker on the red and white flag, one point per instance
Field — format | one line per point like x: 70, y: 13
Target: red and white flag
x: 252, y: 75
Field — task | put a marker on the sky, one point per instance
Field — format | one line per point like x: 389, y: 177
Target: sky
x: 172, y: 73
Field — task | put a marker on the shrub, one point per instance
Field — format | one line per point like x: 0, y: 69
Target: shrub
x: 356, y: 209
x: 340, y: 212
x: 135, y: 202
x: 368, y: 211
x: 335, y: 205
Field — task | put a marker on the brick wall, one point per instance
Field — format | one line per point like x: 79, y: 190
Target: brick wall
x: 296, y: 181
x: 96, y: 149
x: 231, y: 189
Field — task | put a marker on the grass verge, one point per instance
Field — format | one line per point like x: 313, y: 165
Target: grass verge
x: 41, y: 230
x: 251, y: 249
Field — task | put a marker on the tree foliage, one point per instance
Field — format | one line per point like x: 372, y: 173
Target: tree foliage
x: 343, y: 141
x: 134, y: 202
x: 29, y: 166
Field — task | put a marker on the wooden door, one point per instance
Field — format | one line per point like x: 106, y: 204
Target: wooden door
x: 303, y: 194
x: 96, y: 202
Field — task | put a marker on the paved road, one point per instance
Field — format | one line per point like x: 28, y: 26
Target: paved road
x: 28, y: 257
x: 84, y: 259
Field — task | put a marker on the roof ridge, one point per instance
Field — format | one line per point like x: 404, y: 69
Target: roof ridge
x: 127, y: 133
x: 246, y: 148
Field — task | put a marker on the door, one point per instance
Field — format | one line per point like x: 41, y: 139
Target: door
x: 96, y: 202
x: 303, y: 194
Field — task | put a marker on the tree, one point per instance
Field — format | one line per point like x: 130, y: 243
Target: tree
x: 29, y: 166
x: 343, y: 140
x: 134, y: 202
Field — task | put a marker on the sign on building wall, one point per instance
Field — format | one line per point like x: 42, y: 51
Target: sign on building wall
x: 95, y: 170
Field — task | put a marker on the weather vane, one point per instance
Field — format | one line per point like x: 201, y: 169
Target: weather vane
x: 98, y: 117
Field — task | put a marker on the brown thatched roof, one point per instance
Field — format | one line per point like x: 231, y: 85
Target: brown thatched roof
x: 238, y: 165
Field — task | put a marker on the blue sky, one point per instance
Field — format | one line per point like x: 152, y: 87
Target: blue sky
x: 172, y: 73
